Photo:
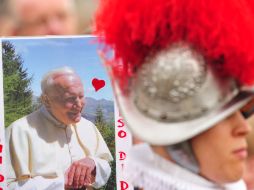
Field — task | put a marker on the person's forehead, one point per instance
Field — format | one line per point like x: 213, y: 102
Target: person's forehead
x: 27, y: 8
x: 31, y: 3
x: 67, y: 81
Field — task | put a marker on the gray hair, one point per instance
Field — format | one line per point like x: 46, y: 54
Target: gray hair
x: 48, y: 79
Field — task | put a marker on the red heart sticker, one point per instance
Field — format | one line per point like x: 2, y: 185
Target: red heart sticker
x: 98, y: 84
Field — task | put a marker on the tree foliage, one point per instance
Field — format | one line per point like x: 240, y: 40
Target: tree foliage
x: 17, y: 92
x: 107, y: 130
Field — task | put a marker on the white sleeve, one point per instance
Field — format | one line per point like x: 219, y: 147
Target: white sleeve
x: 103, y: 172
x: 40, y: 183
x: 101, y: 158
x: 17, y: 151
x: 239, y: 185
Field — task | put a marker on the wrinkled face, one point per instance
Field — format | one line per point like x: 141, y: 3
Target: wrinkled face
x: 45, y: 17
x: 221, y: 151
x: 65, y: 99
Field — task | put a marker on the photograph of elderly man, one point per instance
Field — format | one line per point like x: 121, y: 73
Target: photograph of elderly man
x: 54, y: 146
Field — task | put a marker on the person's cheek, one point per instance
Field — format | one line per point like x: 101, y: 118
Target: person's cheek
x: 68, y: 105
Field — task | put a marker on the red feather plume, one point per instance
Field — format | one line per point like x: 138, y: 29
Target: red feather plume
x: 223, y: 31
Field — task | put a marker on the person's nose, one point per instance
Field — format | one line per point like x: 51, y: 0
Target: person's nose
x: 54, y: 26
x: 79, y: 102
x: 242, y: 127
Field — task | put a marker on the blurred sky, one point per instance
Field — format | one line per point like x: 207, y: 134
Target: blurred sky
x: 80, y: 53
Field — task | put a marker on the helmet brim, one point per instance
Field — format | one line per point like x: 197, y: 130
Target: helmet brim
x: 167, y: 133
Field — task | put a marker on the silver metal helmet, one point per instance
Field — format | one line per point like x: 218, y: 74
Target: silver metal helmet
x: 176, y: 95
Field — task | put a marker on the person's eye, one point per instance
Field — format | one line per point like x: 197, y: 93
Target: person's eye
x: 248, y: 109
x: 247, y: 114
x: 71, y: 99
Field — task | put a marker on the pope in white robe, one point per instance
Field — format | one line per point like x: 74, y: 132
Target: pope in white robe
x: 45, y: 150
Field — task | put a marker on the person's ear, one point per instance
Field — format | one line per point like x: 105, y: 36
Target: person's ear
x: 45, y: 101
